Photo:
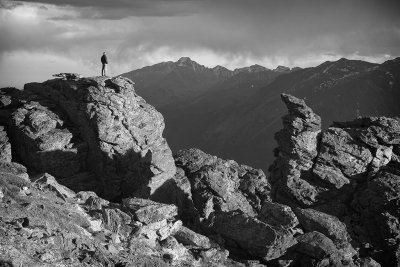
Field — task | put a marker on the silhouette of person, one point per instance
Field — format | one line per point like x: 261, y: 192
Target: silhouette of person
x: 104, y: 62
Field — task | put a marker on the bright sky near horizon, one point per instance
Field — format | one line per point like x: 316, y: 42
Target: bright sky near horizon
x: 41, y: 37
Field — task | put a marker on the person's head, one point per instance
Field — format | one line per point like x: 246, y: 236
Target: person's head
x: 104, y: 53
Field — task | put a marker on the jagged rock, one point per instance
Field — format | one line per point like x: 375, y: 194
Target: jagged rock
x: 10, y: 97
x: 43, y: 142
x: 116, y: 221
x: 222, y: 185
x: 40, y: 227
x: 43, y: 223
x: 50, y: 182
x: 249, y: 235
x: 147, y: 211
x: 332, y: 227
x: 190, y: 238
x: 298, y: 139
x: 175, y: 253
x: 378, y: 223
x: 5, y: 146
x: 297, y: 149
x: 68, y: 76
x: 374, y: 131
x: 341, y: 158
x: 157, y: 231
x: 278, y: 215
x: 99, y: 126
x: 316, y: 245
x: 14, y: 169
x: 215, y: 255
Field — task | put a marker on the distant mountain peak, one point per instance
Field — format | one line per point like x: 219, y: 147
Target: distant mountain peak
x: 185, y: 61
x: 282, y: 69
x: 253, y: 68
x: 219, y: 67
x: 343, y: 59
x: 222, y: 71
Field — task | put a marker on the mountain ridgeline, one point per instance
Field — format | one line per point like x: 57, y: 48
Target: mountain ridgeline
x: 169, y: 83
x: 234, y: 114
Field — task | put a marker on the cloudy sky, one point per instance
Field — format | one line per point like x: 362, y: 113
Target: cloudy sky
x: 41, y: 37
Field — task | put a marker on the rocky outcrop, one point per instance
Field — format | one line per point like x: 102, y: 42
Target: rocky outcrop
x: 228, y: 197
x: 88, y: 129
x: 342, y: 183
x: 43, y: 223
x: 297, y: 149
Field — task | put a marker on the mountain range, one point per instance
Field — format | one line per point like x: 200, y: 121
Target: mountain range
x: 234, y: 114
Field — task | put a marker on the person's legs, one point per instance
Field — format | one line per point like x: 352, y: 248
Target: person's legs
x: 103, y: 70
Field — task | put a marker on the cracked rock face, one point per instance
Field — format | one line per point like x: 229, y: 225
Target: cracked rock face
x: 85, y: 128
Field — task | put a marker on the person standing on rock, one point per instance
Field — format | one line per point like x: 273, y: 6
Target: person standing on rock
x: 104, y: 62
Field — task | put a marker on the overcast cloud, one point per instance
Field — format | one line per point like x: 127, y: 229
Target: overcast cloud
x: 39, y: 38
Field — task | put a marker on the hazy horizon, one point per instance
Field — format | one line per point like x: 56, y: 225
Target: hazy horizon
x: 40, y: 38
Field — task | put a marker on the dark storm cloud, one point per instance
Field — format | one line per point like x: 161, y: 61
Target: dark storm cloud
x: 8, y: 5
x: 117, y: 9
x: 255, y: 27
x: 230, y: 32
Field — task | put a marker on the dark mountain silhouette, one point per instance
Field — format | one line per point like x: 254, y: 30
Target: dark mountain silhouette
x: 173, y: 82
x: 236, y: 117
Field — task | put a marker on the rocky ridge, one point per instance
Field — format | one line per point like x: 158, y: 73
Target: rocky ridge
x: 86, y: 179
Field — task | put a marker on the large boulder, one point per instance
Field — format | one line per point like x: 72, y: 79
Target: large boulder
x: 223, y: 185
x: 341, y: 158
x: 331, y: 226
x: 147, y: 211
x: 248, y: 236
x: 315, y: 245
x: 278, y: 215
x: 89, y: 128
